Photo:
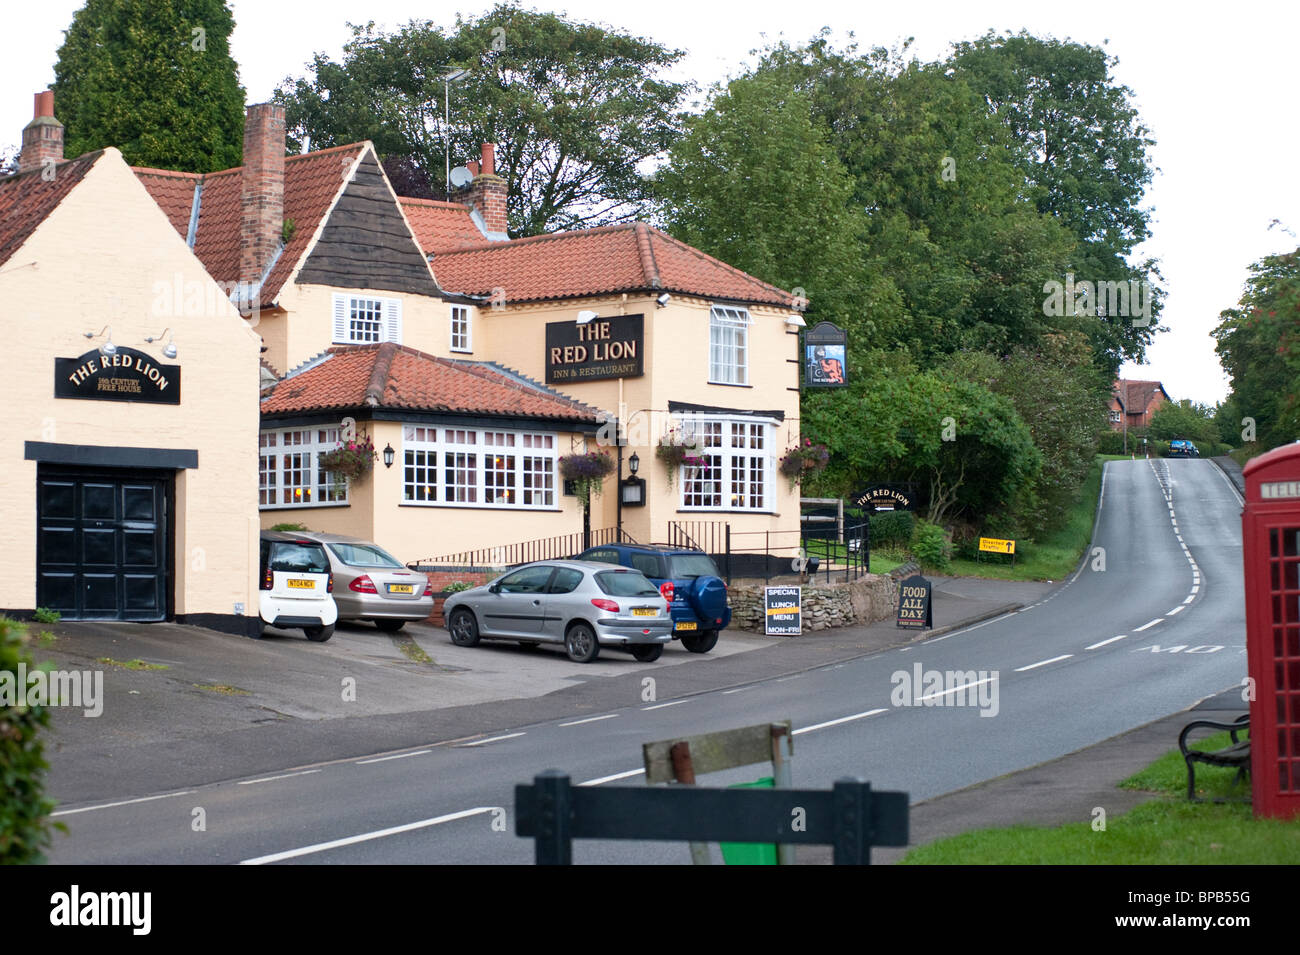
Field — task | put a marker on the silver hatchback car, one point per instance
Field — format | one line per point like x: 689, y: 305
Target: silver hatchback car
x: 372, y: 584
x: 580, y: 604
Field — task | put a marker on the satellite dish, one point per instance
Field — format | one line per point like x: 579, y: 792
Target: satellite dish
x: 461, y: 177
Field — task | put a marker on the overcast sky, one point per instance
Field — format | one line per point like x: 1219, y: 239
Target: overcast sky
x: 1215, y: 84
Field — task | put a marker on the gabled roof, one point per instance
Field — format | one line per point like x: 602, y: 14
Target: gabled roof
x: 1136, y: 396
x: 311, y: 183
x: 397, y: 377
x: 634, y: 257
x: 441, y: 226
x: 26, y: 199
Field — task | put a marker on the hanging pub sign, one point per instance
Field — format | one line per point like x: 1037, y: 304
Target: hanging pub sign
x: 885, y: 497
x: 914, y: 604
x: 610, y: 347
x: 126, y: 375
x: 824, y: 347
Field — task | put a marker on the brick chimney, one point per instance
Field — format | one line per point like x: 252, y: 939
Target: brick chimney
x: 487, y: 193
x: 261, y: 205
x: 43, y: 136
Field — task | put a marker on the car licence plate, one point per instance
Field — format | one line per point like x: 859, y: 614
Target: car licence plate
x: 301, y: 584
x: 688, y: 625
x: 401, y: 588
x: 644, y: 612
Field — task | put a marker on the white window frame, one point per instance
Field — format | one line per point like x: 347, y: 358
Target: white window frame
x: 528, y: 475
x: 466, y: 335
x: 729, y: 345
x: 718, y: 440
x: 283, y: 471
x: 343, y: 306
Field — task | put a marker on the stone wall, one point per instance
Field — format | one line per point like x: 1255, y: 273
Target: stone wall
x: 838, y: 604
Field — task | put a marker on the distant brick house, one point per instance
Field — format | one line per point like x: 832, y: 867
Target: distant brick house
x: 1135, y: 401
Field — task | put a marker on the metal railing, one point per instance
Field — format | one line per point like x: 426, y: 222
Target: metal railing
x: 781, y: 553
x: 522, y: 552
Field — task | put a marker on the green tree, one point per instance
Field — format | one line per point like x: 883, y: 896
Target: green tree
x: 754, y: 183
x: 1184, y: 419
x: 154, y: 78
x: 573, y: 108
x: 25, y: 826
x: 1084, y: 153
x: 1258, y: 344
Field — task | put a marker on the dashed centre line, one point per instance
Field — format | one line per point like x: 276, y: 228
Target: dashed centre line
x: 1043, y: 663
x: 1148, y: 626
x: 589, y: 719
x: 267, y: 779
x: 492, y: 739
x: 1104, y: 642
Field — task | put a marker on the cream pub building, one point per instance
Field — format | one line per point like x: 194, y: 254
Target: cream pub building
x: 474, y: 363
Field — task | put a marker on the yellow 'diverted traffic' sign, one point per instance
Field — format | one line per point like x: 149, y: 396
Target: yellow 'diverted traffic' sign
x: 996, y: 546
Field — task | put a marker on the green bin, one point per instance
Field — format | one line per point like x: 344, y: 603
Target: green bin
x: 750, y: 853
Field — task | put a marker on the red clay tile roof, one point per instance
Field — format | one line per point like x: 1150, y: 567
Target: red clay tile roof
x: 26, y: 199
x: 441, y: 226
x: 1137, y: 396
x: 311, y: 182
x: 620, y: 258
x: 395, y: 376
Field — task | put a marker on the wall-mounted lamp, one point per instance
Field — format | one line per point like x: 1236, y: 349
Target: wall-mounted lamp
x: 796, y: 321
x: 585, y: 316
x: 169, y: 350
x: 388, y: 455
x: 634, y: 463
x: 108, y: 349
x: 663, y: 299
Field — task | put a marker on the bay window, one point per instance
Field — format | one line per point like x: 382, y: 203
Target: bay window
x: 471, y: 467
x: 737, y: 470
x: 289, y: 472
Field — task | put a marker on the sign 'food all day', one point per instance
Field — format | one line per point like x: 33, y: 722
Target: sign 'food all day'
x: 914, y: 611
x: 611, y: 347
x: 126, y: 375
x: 783, y: 611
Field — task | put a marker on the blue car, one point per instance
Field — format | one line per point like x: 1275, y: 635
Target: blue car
x: 1179, y: 448
x: 688, y: 580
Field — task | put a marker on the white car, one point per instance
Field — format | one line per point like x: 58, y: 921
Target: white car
x: 296, y: 586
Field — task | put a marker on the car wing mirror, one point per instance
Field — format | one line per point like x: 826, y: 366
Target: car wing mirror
x: 494, y: 589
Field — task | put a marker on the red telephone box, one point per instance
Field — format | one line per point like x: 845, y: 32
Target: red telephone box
x: 1271, y: 552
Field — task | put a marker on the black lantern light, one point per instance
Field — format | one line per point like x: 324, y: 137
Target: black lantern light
x: 388, y: 455
x: 633, y: 463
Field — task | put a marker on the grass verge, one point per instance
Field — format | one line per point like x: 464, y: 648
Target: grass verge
x: 1055, y: 556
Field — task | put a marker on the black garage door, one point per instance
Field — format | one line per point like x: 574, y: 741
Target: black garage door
x: 102, y: 545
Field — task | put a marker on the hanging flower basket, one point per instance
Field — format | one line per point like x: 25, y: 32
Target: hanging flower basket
x: 587, y: 472
x: 677, y: 450
x: 353, y: 459
x: 803, y: 461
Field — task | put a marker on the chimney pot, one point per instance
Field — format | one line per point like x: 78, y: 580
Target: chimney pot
x: 261, y: 219
x: 488, y: 193
x: 44, y: 104
x: 489, y: 159
x: 42, y: 137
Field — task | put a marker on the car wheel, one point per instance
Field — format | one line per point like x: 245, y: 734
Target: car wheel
x: 463, y: 628
x: 388, y: 625
x: 700, y: 642
x: 580, y: 643
x: 319, y: 634
x: 647, y: 652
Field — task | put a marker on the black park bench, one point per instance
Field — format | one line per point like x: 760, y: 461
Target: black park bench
x: 1237, y: 754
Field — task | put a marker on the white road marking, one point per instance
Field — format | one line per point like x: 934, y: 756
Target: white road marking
x: 660, y: 706
x: 742, y: 689
x: 1190, y: 598
x: 124, y: 802
x: 1043, y: 663
x: 384, y: 759
x: 590, y: 719
x: 1104, y: 642
x: 1176, y: 610
x: 1148, y: 626
x: 842, y: 719
x: 492, y: 739
x: 955, y: 689
x: 267, y: 779
x: 1195, y: 587
x: 609, y: 779
x: 367, y: 836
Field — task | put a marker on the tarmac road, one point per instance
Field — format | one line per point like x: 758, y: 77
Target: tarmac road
x: 1151, y: 623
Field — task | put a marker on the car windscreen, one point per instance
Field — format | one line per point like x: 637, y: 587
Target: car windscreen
x: 364, y: 555
x: 294, y: 558
x: 691, y: 565
x: 625, y: 583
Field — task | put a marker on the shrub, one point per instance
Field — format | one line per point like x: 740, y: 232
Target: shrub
x: 46, y: 615
x: 25, y: 827
x: 290, y: 527
x: 931, y: 547
x: 892, y: 530
x: 1112, y: 442
x: 456, y: 586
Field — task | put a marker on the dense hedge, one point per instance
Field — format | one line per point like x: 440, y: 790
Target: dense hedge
x: 892, y: 530
x: 25, y: 827
x: 931, y: 547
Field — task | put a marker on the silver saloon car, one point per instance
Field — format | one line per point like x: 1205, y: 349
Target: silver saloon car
x: 372, y: 584
x: 579, y: 604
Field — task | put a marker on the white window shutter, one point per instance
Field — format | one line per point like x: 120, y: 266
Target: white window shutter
x: 393, y: 320
x: 340, y: 319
